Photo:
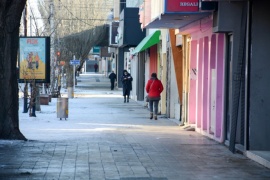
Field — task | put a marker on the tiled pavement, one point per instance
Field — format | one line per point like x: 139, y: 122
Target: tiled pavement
x: 103, y: 138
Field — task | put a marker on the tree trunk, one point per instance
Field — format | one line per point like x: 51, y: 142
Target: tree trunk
x: 10, y: 16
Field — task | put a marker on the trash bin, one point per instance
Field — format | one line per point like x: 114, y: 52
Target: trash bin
x: 62, y: 108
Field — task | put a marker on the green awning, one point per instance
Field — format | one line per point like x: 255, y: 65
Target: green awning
x: 147, y: 42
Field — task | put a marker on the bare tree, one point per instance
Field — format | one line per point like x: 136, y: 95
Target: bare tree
x: 79, y: 25
x: 80, y: 44
x: 10, y: 16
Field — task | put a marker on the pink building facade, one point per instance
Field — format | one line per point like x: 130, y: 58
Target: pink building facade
x: 206, y: 62
x: 206, y: 78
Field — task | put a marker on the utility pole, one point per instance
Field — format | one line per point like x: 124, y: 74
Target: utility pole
x: 25, y: 20
x: 52, y: 62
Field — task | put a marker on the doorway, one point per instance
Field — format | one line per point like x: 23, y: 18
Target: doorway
x: 233, y: 98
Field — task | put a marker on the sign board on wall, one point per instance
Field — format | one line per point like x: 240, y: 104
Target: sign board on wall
x: 95, y: 50
x: 182, y: 5
x: 34, y: 59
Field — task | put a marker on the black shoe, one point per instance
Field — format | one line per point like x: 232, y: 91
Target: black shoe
x: 151, y: 115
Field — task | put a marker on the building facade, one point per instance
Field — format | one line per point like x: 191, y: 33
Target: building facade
x: 213, y: 64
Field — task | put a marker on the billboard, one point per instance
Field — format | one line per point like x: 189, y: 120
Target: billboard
x: 34, y: 59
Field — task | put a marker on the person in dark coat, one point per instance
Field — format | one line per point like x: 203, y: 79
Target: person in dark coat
x: 96, y: 67
x: 112, y: 77
x: 154, y: 88
x: 127, y: 85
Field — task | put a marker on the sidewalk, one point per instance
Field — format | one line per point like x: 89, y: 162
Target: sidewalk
x: 104, y: 138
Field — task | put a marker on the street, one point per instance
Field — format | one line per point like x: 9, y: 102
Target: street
x: 104, y: 138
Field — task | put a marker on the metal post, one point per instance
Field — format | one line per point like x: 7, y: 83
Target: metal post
x: 33, y: 93
x: 25, y: 20
x: 43, y: 88
x: 73, y: 75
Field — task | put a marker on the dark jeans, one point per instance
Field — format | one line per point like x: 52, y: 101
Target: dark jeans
x: 112, y: 85
x: 153, y: 106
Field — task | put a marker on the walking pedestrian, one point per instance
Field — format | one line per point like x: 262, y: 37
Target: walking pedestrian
x: 112, y: 77
x: 96, y: 67
x: 127, y: 85
x: 154, y: 88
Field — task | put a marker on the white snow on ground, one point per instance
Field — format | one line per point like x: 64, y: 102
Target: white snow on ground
x: 46, y: 125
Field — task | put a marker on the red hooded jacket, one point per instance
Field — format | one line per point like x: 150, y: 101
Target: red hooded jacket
x: 154, y: 89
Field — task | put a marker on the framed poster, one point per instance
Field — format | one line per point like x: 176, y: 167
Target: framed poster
x: 34, y: 59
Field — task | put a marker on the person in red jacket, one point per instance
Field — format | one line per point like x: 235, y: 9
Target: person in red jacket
x: 154, y: 87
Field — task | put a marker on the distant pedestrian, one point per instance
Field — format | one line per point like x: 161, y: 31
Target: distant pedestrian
x: 154, y: 88
x: 96, y: 67
x: 112, y: 77
x: 127, y: 85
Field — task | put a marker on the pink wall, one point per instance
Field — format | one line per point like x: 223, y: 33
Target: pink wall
x: 209, y: 59
x: 200, y: 85
x: 207, y: 53
x: 205, y: 83
x: 200, y: 32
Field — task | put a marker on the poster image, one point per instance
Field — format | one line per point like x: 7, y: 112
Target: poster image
x: 33, y: 58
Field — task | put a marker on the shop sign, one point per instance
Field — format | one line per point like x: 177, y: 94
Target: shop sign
x: 182, y: 5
